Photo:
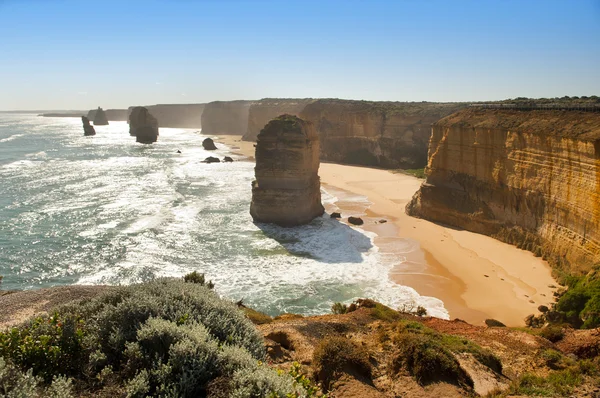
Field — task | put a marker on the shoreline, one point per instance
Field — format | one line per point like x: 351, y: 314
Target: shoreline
x: 476, y: 276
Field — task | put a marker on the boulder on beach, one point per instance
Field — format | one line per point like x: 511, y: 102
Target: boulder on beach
x: 227, y: 159
x: 287, y: 189
x: 208, y: 144
x: 100, y: 118
x: 493, y: 323
x: 355, y: 220
x: 211, y: 159
x: 88, y: 129
x: 335, y: 214
x: 143, y: 125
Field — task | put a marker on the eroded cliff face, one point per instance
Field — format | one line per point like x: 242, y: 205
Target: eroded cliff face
x: 112, y: 115
x: 178, y: 115
x: 287, y: 189
x: 383, y: 134
x: 531, y: 178
x: 225, y: 117
x: 263, y: 111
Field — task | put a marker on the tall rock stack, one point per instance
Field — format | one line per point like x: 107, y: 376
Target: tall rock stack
x: 88, y: 129
x: 143, y: 125
x: 287, y: 189
x: 100, y: 118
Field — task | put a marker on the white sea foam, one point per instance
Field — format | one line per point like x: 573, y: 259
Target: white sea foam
x: 10, y: 138
x: 107, y: 210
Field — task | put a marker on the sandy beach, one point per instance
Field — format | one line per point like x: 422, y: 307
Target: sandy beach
x: 477, y: 277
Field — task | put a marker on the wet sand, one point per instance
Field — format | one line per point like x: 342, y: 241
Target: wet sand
x: 477, y: 277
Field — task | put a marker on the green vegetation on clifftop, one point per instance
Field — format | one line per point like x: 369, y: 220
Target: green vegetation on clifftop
x: 166, y: 338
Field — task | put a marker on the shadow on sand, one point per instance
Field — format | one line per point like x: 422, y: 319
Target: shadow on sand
x: 324, y: 239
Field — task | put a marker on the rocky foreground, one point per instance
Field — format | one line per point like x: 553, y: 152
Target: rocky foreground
x: 368, y: 351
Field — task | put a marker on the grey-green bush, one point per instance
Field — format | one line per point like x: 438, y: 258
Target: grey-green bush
x: 15, y: 383
x: 167, y: 338
x: 261, y: 382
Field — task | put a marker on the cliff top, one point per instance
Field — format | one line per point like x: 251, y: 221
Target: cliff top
x: 283, y: 101
x: 572, y: 124
x: 234, y: 102
x: 288, y: 126
x: 389, y: 107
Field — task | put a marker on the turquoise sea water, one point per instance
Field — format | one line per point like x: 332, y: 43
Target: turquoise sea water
x: 106, y: 210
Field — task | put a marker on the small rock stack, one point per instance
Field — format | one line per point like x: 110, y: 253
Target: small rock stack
x: 100, y: 118
x: 143, y: 125
x: 287, y: 189
x: 88, y: 129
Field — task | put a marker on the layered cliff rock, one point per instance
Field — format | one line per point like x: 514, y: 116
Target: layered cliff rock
x: 88, y: 129
x: 225, y: 117
x: 178, y: 115
x: 287, y: 189
x: 100, y: 118
x: 383, y: 134
x: 143, y: 125
x: 531, y: 178
x: 261, y: 112
x: 112, y: 115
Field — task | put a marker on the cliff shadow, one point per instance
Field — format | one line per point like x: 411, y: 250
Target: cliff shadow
x: 323, y: 239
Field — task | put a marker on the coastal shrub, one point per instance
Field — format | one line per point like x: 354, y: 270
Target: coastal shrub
x: 581, y: 302
x: 449, y: 343
x: 552, y: 333
x: 302, y: 380
x: 421, y: 311
x: 118, y: 314
x: 256, y: 317
x: 48, y: 345
x: 14, y: 383
x: 336, y: 355
x: 196, y: 277
x: 459, y: 344
x: 166, y: 338
x: 339, y: 308
x: 553, y: 358
x: 419, y: 173
x: 261, y: 381
x: 428, y: 360
x: 557, y: 384
x: 384, y: 313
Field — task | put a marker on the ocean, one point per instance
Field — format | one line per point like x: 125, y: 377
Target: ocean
x: 107, y: 210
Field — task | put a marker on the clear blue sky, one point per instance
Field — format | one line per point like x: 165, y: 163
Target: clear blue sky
x: 62, y: 54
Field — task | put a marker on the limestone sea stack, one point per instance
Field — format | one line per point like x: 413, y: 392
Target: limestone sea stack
x: 100, y: 118
x: 287, y: 189
x: 88, y: 129
x: 143, y: 125
x: 208, y: 144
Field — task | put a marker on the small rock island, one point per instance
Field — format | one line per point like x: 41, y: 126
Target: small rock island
x: 287, y: 189
x: 143, y: 125
x: 209, y: 145
x: 100, y: 118
x: 88, y: 129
